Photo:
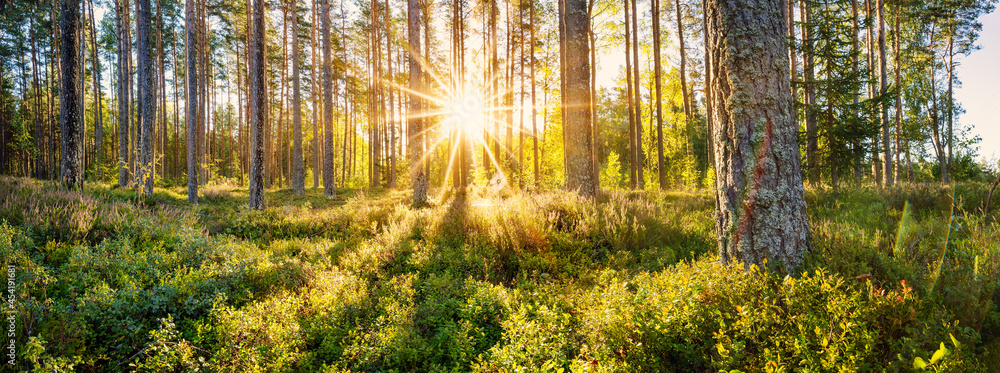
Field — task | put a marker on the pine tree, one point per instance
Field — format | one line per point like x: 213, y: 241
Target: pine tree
x: 71, y: 124
x: 576, y: 101
x: 258, y: 105
x: 762, y: 209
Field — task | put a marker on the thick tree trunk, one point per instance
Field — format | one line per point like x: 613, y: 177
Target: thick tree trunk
x: 415, y: 125
x: 329, y: 182
x: 191, y: 103
x: 576, y: 101
x: 258, y: 106
x: 148, y: 95
x: 71, y: 121
x: 299, y: 169
x: 762, y: 210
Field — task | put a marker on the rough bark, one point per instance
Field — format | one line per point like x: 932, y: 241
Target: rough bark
x: 414, y: 124
x: 299, y: 169
x: 329, y: 183
x: 762, y: 210
x: 148, y: 95
x: 71, y: 121
x: 191, y: 102
x: 258, y: 106
x: 576, y: 101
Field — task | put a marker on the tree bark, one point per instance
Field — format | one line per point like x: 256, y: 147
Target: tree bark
x: 124, y: 88
x: 148, y: 95
x: 576, y: 101
x: 191, y: 103
x: 809, y: 77
x: 415, y: 124
x: 887, y: 171
x: 658, y: 74
x: 71, y: 123
x: 632, y: 120
x: 639, y: 155
x: 299, y: 169
x: 534, y: 108
x: 258, y: 105
x: 899, y: 97
x: 329, y: 182
x: 762, y: 210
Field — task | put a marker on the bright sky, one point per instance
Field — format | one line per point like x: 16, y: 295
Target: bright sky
x: 980, y: 91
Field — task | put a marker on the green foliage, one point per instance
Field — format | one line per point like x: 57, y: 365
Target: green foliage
x: 494, y: 281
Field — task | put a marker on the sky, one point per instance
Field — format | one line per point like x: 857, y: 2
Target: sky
x: 980, y: 90
x: 979, y: 93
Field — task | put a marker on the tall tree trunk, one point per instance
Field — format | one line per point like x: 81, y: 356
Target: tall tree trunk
x: 534, y: 108
x: 887, y: 171
x: 639, y: 155
x: 39, y: 160
x: 951, y: 102
x: 633, y: 160
x: 415, y: 125
x: 576, y: 101
x: 809, y: 76
x: 316, y: 98
x: 709, y: 122
x: 191, y: 103
x: 258, y: 105
x: 299, y: 169
x: 899, y: 97
x: 124, y: 88
x: 684, y: 87
x: 71, y: 123
x: 162, y: 89
x: 146, y: 75
x: 594, y: 131
x: 657, y: 72
x: 98, y: 100
x: 762, y: 209
x: 391, y: 89
x: 329, y: 182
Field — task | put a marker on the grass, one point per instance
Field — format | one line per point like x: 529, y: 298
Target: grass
x: 491, y: 281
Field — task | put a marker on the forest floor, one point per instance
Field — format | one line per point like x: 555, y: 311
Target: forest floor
x: 492, y: 281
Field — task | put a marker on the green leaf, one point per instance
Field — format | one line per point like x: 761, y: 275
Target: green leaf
x: 919, y: 363
x: 939, y: 353
x: 953, y: 340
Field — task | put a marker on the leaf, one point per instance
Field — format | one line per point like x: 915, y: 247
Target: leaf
x: 919, y: 363
x: 953, y: 340
x: 939, y: 353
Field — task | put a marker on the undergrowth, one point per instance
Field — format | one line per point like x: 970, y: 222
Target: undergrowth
x: 898, y: 280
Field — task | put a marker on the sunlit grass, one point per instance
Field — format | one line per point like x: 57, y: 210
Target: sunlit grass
x: 494, y: 279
